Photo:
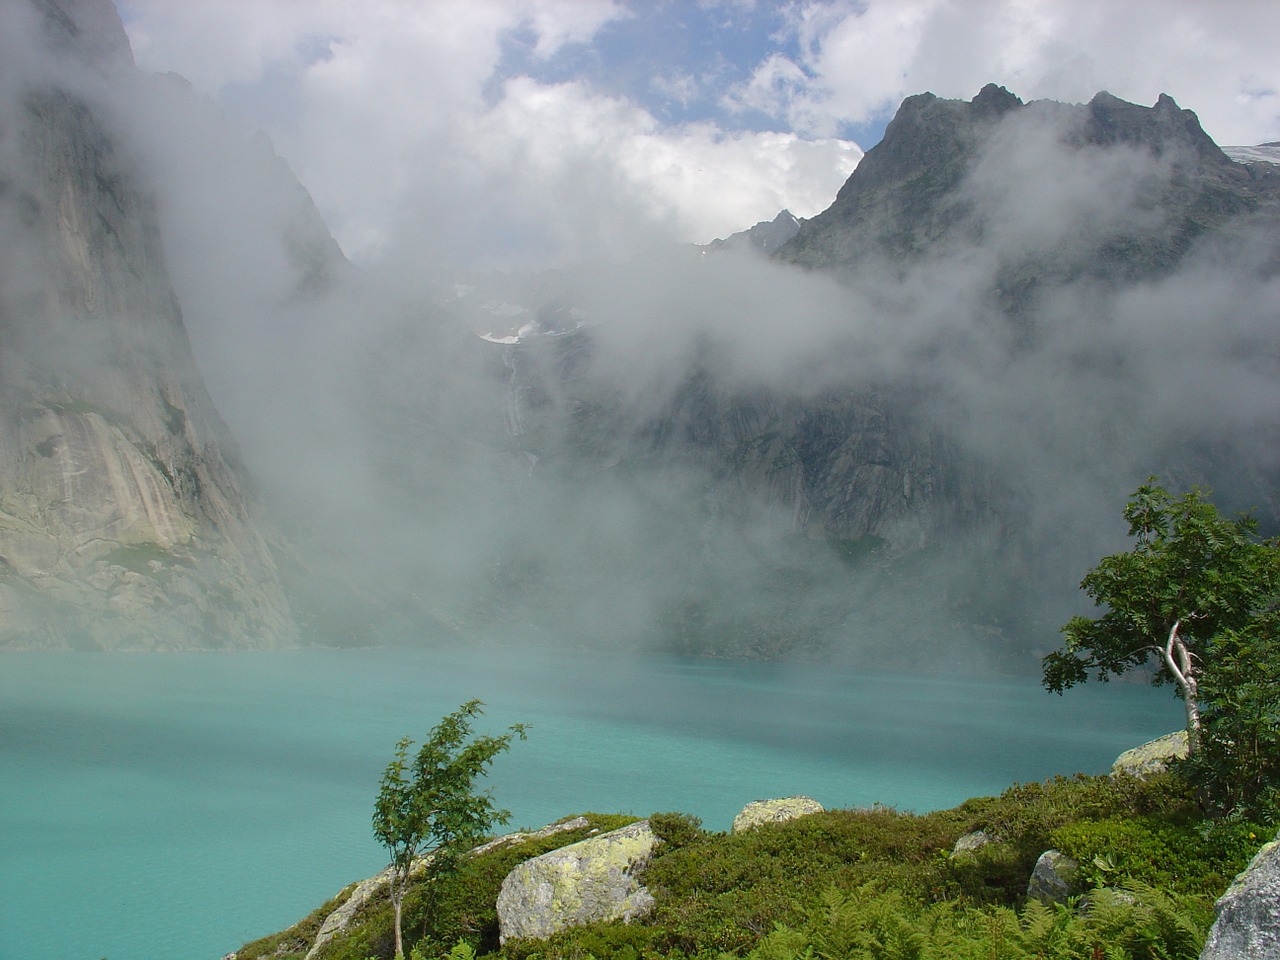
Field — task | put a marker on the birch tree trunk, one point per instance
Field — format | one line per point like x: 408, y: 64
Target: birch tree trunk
x: 1177, y: 658
x: 397, y: 900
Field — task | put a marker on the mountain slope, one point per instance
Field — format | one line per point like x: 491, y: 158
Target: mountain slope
x: 923, y: 185
x: 124, y: 516
x: 916, y: 420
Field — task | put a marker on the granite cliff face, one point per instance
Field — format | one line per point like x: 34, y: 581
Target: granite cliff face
x: 124, y: 516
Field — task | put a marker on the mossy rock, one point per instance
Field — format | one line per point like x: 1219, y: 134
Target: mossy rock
x: 594, y: 880
x: 774, y: 811
x: 1152, y: 757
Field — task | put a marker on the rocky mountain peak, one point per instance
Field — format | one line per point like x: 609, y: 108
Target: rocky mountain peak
x: 1163, y: 129
x: 87, y: 30
x: 928, y: 133
x: 994, y: 101
x: 766, y: 236
x: 917, y: 185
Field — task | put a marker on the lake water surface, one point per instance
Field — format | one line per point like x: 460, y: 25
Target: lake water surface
x: 172, y: 807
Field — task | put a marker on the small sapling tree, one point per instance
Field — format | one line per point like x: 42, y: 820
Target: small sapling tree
x: 1192, y: 576
x: 428, y: 809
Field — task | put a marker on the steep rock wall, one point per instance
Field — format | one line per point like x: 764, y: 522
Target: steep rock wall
x: 124, y: 516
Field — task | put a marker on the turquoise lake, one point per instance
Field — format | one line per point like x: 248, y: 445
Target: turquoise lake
x: 172, y: 807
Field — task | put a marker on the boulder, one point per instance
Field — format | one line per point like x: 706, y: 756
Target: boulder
x: 1152, y: 757
x: 1248, y: 923
x: 594, y: 880
x: 774, y: 811
x: 1054, y: 878
x: 971, y: 843
x: 366, y: 890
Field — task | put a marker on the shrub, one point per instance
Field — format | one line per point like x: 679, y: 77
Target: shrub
x: 1237, y: 768
x: 1123, y: 851
x: 675, y: 830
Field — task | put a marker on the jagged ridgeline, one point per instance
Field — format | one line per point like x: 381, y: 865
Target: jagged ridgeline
x: 125, y: 520
x: 903, y: 425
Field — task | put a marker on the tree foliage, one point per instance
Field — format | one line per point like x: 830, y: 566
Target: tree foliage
x: 428, y: 811
x: 1191, y: 576
x: 1237, y: 769
x: 1198, y: 591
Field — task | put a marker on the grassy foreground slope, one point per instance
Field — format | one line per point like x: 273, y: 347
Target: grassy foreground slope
x: 870, y: 883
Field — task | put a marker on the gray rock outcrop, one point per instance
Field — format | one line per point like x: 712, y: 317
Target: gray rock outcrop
x: 1248, y: 922
x: 971, y: 843
x: 594, y: 880
x: 774, y: 811
x: 1151, y: 757
x: 1054, y: 879
x: 126, y: 519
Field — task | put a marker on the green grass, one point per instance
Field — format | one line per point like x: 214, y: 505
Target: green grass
x: 875, y: 884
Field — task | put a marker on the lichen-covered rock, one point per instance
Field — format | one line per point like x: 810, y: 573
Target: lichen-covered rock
x: 971, y: 843
x: 1054, y: 878
x: 589, y: 881
x: 1152, y: 757
x: 366, y: 890
x: 1248, y: 923
x: 774, y: 811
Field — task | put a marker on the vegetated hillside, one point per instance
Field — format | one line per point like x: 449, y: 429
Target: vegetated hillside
x: 869, y: 883
x: 126, y: 520
x: 900, y: 431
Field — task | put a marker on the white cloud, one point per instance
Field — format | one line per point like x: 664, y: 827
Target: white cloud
x: 405, y: 133
x: 557, y: 23
x: 556, y: 170
x: 398, y: 118
x: 860, y: 59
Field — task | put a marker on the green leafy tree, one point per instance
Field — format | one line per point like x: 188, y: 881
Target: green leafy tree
x: 1191, y: 576
x: 428, y: 811
x: 1237, y: 768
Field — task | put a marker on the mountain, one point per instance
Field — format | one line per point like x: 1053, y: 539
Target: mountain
x: 766, y: 236
x: 897, y: 432
x: 913, y: 428
x: 1262, y: 153
x: 126, y: 519
x: 921, y: 186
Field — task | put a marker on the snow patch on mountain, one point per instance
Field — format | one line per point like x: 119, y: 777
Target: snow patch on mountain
x: 1262, y: 153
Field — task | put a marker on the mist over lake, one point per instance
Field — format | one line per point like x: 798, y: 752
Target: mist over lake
x: 409, y: 353
x: 180, y: 805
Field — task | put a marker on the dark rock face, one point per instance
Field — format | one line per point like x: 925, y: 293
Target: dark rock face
x: 87, y: 30
x: 124, y: 518
x: 908, y: 194
x: 898, y: 199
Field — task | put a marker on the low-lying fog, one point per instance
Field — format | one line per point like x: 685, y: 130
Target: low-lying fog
x: 443, y: 474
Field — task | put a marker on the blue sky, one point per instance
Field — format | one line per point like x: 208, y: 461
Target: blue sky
x: 537, y: 131
x: 678, y: 60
